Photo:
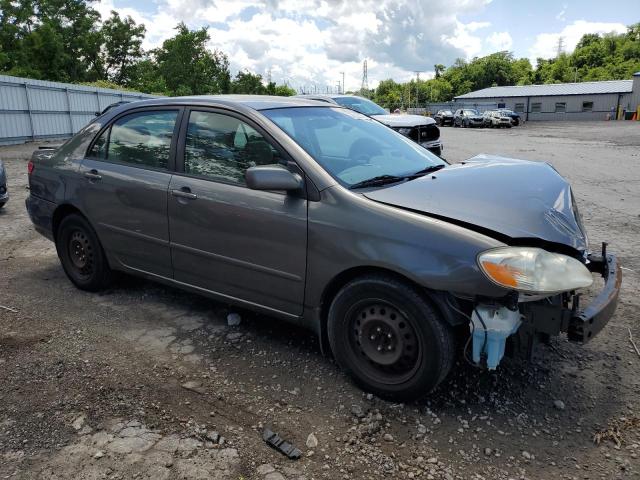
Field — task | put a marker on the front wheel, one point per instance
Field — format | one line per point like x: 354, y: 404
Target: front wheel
x: 81, y: 254
x: 389, y: 338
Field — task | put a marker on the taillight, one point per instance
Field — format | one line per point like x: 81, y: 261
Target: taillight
x: 30, y: 167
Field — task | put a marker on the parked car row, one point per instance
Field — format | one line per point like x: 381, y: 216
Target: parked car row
x: 470, y: 117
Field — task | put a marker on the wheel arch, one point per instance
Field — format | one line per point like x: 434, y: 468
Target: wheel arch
x: 437, y: 298
x: 62, y: 211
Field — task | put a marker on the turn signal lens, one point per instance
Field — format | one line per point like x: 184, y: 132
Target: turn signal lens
x: 534, y: 270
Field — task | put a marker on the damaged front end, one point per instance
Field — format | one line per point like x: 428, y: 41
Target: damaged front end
x: 516, y: 323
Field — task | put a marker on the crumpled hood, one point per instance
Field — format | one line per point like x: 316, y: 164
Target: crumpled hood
x: 398, y: 120
x: 516, y: 198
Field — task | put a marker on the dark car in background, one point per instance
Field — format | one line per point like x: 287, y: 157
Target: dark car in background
x: 444, y: 117
x: 515, y: 117
x: 4, y: 193
x: 422, y: 130
x: 325, y: 217
x: 467, y: 117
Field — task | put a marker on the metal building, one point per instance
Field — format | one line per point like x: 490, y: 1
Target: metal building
x: 564, y: 101
x: 37, y: 109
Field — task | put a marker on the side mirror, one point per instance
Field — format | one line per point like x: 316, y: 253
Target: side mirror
x: 272, y: 177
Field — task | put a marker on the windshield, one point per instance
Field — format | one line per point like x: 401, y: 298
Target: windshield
x: 470, y: 112
x: 445, y: 112
x: 350, y: 146
x: 361, y: 105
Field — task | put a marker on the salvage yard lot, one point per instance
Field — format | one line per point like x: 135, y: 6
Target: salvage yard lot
x: 93, y: 385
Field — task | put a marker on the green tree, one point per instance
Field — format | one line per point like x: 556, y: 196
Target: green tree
x: 249, y: 83
x: 50, y: 39
x: 188, y: 67
x: 122, y: 47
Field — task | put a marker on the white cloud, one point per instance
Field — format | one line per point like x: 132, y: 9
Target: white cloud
x: 307, y: 42
x: 561, y: 15
x: 546, y: 44
x: 499, y: 41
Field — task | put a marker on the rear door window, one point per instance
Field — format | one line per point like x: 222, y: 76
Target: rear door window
x: 143, y: 139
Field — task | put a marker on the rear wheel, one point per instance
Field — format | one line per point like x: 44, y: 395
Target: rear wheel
x: 81, y: 254
x: 389, y: 338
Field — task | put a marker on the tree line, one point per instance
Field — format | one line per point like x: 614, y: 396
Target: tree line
x: 596, y: 57
x: 68, y: 41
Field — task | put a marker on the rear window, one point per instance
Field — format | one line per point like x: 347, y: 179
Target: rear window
x: 142, y: 138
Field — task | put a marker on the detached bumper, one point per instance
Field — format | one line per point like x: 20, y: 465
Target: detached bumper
x: 585, y: 324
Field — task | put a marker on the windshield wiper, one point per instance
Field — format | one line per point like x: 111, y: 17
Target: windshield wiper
x: 425, y: 171
x: 376, y: 181
x: 385, y: 179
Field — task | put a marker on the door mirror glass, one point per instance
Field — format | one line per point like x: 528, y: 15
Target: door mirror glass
x: 272, y: 177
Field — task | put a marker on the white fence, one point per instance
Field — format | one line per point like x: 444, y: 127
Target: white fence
x: 38, y: 110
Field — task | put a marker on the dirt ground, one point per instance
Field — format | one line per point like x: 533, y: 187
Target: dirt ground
x: 149, y: 382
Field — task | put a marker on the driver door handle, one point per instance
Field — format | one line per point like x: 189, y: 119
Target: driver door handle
x: 93, y: 175
x: 184, y: 192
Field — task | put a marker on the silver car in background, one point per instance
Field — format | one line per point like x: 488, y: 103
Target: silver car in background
x: 495, y: 119
x: 421, y: 129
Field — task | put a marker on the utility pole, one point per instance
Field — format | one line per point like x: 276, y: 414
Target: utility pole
x: 364, y: 89
x: 342, y: 82
x: 560, y: 47
x: 417, y: 87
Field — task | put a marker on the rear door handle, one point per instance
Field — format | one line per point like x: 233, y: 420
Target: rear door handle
x: 93, y: 175
x: 184, y: 192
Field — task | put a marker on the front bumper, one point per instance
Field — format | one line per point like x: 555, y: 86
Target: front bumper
x: 585, y: 324
x: 434, y: 146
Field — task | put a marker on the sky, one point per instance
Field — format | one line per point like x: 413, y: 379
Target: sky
x: 309, y: 43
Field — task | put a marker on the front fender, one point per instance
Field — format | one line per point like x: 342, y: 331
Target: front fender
x: 348, y: 231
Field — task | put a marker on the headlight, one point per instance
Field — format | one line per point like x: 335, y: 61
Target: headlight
x: 534, y: 270
x: 404, y: 131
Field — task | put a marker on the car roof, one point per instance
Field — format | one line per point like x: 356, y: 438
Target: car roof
x: 328, y: 96
x: 254, y: 102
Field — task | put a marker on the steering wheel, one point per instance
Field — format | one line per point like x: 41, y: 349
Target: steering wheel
x: 363, y: 150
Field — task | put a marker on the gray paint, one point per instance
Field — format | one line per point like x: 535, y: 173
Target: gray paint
x: 279, y: 252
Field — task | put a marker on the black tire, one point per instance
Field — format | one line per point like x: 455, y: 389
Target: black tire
x: 81, y: 254
x: 389, y: 338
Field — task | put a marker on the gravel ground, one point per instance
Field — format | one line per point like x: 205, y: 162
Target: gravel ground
x: 149, y: 382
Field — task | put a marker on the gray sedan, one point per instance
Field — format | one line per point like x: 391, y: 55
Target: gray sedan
x: 326, y: 218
